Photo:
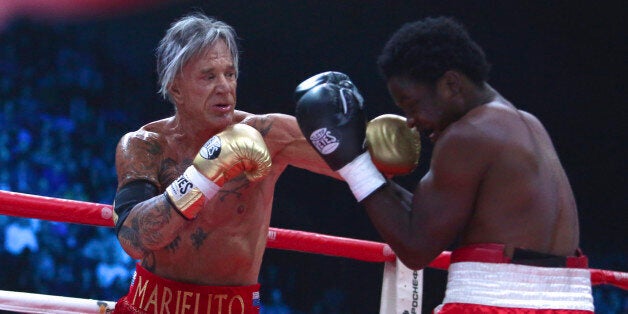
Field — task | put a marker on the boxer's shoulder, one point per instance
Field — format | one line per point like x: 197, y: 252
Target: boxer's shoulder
x: 142, y: 141
x: 273, y: 125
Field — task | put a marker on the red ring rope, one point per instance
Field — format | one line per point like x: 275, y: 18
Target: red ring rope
x: 79, y: 212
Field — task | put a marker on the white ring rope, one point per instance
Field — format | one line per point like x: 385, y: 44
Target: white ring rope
x: 23, y: 302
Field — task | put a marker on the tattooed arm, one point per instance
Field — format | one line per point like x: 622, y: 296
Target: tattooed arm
x: 151, y: 224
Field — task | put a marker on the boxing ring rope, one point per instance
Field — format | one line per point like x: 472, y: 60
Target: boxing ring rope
x: 79, y: 212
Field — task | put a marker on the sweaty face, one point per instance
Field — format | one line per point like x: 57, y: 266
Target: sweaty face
x: 206, y: 86
x: 420, y: 104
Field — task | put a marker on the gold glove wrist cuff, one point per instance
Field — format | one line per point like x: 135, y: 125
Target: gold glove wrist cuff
x: 185, y: 197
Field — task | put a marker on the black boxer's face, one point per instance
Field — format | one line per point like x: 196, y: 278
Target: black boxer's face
x: 206, y: 87
x: 420, y: 104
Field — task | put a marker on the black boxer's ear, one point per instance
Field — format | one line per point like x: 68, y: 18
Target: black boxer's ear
x: 449, y: 86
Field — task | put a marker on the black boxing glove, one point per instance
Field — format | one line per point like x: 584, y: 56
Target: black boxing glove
x: 331, y: 115
x: 330, y: 112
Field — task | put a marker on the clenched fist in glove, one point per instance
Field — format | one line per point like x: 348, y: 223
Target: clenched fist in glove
x: 330, y: 114
x: 238, y: 149
x: 394, y: 147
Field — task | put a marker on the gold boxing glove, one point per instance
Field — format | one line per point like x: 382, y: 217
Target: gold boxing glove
x: 238, y: 149
x: 394, y: 147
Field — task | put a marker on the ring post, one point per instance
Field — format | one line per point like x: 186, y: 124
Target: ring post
x: 402, y: 289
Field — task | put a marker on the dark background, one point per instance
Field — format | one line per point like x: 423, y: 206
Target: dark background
x: 560, y: 60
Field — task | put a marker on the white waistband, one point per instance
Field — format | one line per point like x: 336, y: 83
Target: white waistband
x: 521, y: 286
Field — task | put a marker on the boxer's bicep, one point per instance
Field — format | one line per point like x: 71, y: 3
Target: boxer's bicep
x: 444, y: 198
x: 138, y: 157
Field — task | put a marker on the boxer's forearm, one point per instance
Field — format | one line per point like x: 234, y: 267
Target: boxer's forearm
x: 389, y: 210
x: 151, y: 225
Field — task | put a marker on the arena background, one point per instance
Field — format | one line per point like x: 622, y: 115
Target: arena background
x: 91, y: 73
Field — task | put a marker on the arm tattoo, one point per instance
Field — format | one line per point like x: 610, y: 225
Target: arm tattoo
x: 154, y: 148
x: 130, y: 237
x: 152, y: 220
x: 174, y: 245
x: 145, y: 230
x: 143, y: 163
x: 149, y: 262
x: 263, y: 125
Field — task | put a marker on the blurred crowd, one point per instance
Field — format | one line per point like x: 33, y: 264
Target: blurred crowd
x: 58, y: 132
x: 63, y: 106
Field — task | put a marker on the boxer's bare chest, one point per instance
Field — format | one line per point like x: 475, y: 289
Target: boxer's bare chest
x: 229, y: 223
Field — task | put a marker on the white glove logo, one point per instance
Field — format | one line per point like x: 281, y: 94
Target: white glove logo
x: 324, y: 142
x: 211, y: 148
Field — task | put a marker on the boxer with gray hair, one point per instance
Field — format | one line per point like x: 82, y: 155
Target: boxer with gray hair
x: 195, y: 190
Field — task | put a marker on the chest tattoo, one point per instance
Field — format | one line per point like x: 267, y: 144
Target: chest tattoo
x: 198, y: 237
x: 170, y: 170
x: 236, y: 190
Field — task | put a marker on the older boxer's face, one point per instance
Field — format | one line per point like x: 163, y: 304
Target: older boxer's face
x: 421, y: 105
x: 206, y: 86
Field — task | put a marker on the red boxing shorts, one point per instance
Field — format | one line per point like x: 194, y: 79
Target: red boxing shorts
x: 483, y: 280
x: 152, y: 294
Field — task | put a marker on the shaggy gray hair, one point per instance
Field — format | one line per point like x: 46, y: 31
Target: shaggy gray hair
x: 185, y: 39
